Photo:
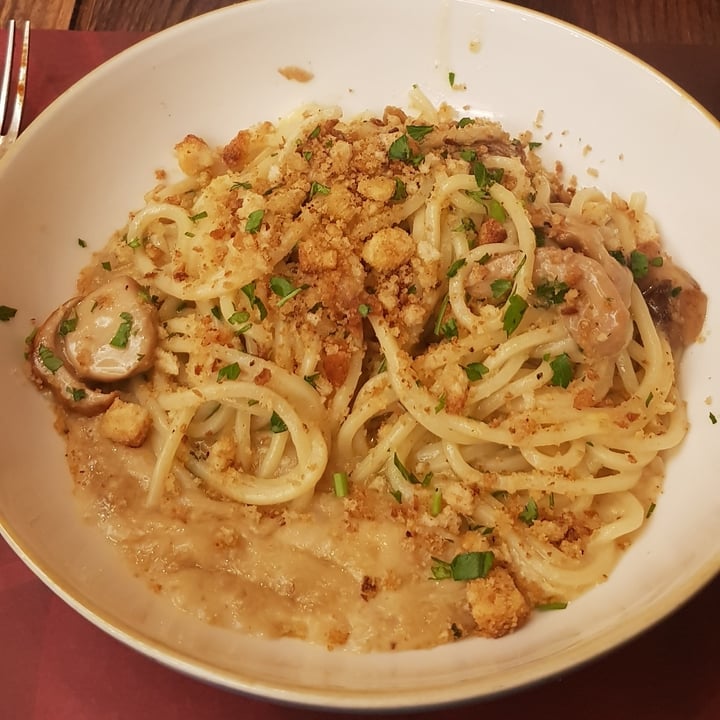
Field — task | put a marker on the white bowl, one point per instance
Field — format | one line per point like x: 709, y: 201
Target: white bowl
x: 88, y: 159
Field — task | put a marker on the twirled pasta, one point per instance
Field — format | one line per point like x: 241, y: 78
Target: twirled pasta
x: 414, y: 313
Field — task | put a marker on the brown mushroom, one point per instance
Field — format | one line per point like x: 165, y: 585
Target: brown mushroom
x: 107, y: 336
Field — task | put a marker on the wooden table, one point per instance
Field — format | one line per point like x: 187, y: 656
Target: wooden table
x: 638, y: 22
x: 56, y: 665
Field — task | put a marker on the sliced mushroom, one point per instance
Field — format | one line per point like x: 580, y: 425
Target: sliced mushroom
x: 676, y: 302
x: 107, y: 336
x: 51, y: 369
x: 114, y: 334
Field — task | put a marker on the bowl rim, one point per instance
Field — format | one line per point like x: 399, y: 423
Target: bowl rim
x: 427, y: 698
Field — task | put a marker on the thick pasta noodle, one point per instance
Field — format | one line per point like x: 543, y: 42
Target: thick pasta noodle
x: 403, y: 386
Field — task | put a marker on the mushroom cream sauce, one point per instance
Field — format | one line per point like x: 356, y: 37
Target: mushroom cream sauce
x: 379, y: 383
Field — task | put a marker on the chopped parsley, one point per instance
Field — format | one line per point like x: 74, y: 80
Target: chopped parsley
x: 77, y: 394
x: 49, y: 359
x: 449, y: 329
x: 407, y: 475
x: 418, y: 132
x: 106, y: 266
x: 530, y: 513
x: 562, y: 370
x: 317, y: 188
x: 400, y: 193
x: 229, y: 372
x: 441, y: 403
x: 639, y: 265
x: 68, y: 325
x: 238, y: 317
x: 500, y: 287
x: 514, y: 313
x: 122, y: 334
x: 465, y: 566
x: 713, y: 419
x: 496, y: 211
x: 650, y: 510
x: 134, y: 243
x: 284, y: 289
x: 401, y: 150
x: 7, y: 313
x: 485, y: 177
x: 441, y: 314
x: 453, y: 269
x: 475, y: 371
x: 451, y: 78
x: 243, y: 185
x: 198, y: 216
x: 462, y: 122
x: 363, y: 310
x: 618, y: 255
x: 315, y: 133
x: 277, y: 424
x: 551, y: 292
x: 82, y: 243
x: 256, y: 302
x: 254, y: 221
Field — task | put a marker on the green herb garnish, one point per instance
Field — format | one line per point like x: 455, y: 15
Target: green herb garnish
x: 256, y: 302
x: 465, y: 566
x: 453, y: 269
x: 562, y: 370
x: 77, y: 394
x: 340, y: 484
x: 400, y: 193
x: 277, y: 424
x: 475, y: 371
x: 514, y: 313
x: 254, y: 221
x: 407, y: 475
x: 551, y: 606
x: 122, y: 334
x: 418, y: 132
x: 284, y: 289
x: 530, y: 513
x: 7, y: 313
x: 551, y: 293
x: 317, y: 188
x: 229, y: 372
x: 49, y: 359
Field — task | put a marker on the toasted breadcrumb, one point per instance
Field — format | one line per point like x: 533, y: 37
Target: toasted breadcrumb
x: 126, y: 423
x: 497, y: 605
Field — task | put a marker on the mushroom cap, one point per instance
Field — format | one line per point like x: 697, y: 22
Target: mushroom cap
x: 115, y: 332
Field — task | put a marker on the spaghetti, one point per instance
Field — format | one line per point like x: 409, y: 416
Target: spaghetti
x: 395, y: 358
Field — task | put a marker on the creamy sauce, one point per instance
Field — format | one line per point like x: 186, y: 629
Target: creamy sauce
x: 327, y: 573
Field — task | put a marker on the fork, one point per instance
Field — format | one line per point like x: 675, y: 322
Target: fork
x: 13, y: 127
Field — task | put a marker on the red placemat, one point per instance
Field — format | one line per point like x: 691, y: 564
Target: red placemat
x: 54, y: 665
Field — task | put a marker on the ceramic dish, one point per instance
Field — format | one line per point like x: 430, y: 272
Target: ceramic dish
x: 88, y: 159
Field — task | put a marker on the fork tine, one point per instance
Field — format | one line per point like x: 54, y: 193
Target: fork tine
x: 5, y: 87
x: 14, y: 128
